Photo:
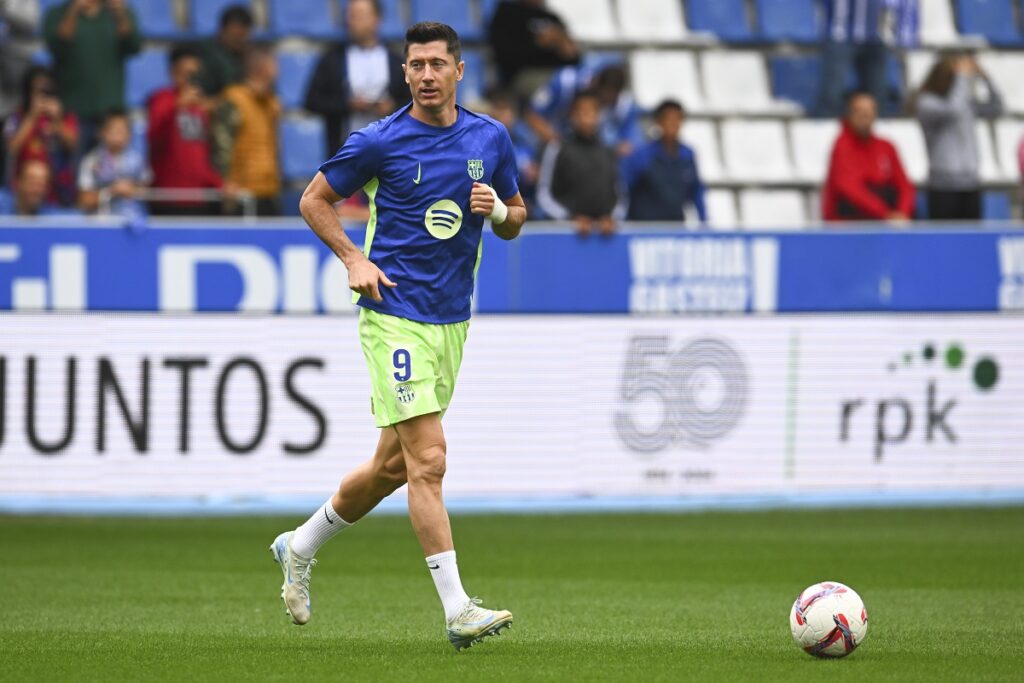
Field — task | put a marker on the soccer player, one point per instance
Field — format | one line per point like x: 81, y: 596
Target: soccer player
x: 433, y: 172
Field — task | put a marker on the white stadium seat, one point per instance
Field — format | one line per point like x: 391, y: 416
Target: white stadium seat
x: 988, y: 165
x: 773, y: 209
x: 588, y: 20
x: 1005, y: 69
x: 654, y: 21
x: 737, y: 81
x: 909, y: 140
x: 1009, y: 133
x: 936, y: 26
x: 702, y: 136
x: 812, y: 147
x: 660, y: 74
x: 756, y: 151
x: 721, y: 207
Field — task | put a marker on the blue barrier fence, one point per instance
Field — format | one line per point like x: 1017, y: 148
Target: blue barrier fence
x: 282, y: 267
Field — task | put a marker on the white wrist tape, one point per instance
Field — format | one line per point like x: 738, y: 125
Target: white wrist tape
x: 500, y: 212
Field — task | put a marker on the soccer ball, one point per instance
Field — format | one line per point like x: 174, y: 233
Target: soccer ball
x: 828, y: 619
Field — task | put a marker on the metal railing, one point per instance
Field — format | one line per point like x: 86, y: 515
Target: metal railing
x: 184, y: 194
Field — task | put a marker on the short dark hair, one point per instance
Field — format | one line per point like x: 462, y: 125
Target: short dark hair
x: 236, y: 14
x: 611, y: 77
x: 428, y: 32
x: 585, y: 94
x: 376, y: 7
x: 114, y: 113
x: 182, y: 51
x: 669, y: 105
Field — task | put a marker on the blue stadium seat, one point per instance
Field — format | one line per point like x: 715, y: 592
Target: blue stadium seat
x: 302, y: 147
x: 140, y: 143
x: 146, y: 72
x: 296, y: 68
x: 313, y: 18
x: 996, y: 206
x: 796, y: 78
x: 487, y: 8
x: 204, y: 15
x: 797, y: 21
x: 727, y: 19
x: 993, y: 19
x: 455, y: 13
x: 473, y: 85
x: 156, y: 18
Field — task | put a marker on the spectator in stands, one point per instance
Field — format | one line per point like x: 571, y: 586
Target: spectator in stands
x: 90, y: 41
x: 548, y: 108
x: 857, y: 35
x: 866, y: 181
x: 505, y: 110
x: 947, y: 107
x: 662, y: 175
x: 224, y: 56
x: 579, y: 176
x: 245, y: 133
x: 31, y: 186
x: 41, y: 130
x: 357, y: 82
x: 529, y: 43
x: 115, y: 167
x: 19, y: 20
x: 179, y: 136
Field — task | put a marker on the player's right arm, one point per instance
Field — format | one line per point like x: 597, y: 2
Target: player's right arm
x: 317, y: 207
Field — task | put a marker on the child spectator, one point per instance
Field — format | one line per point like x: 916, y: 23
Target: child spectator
x: 40, y: 130
x: 662, y: 175
x: 579, y: 176
x: 113, y: 166
x: 179, y: 136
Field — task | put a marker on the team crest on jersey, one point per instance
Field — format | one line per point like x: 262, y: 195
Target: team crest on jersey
x: 404, y: 393
x: 476, y: 168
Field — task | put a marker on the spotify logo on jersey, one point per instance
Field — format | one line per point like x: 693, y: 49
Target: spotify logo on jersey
x: 443, y: 219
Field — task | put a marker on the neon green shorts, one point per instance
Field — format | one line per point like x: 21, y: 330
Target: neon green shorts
x: 413, y: 365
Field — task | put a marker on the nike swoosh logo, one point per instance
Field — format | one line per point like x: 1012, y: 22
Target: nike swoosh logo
x: 419, y: 172
x: 434, y: 566
x: 327, y: 516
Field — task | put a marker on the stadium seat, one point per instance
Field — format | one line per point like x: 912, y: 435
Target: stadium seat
x: 473, y: 87
x: 296, y: 69
x: 796, y: 78
x: 919, y: 63
x: 204, y: 15
x: 302, y: 147
x: 988, y: 166
x: 156, y: 18
x: 652, y: 21
x: 797, y: 21
x: 312, y: 18
x: 588, y: 20
x: 772, y: 209
x: 702, y: 136
x: 721, y: 208
x: 1005, y: 69
x: 756, y: 151
x: 996, y: 206
x: 992, y: 19
x: 140, y: 143
x: 740, y: 83
x: 812, y: 147
x: 146, y: 72
x: 392, y: 20
x: 726, y: 19
x: 935, y: 23
x: 1009, y: 134
x: 906, y: 135
x: 455, y: 13
x: 660, y: 74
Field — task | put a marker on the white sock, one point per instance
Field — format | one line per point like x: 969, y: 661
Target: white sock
x: 317, y: 530
x: 445, y: 573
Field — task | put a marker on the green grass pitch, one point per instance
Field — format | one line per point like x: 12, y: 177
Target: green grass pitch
x: 595, y: 597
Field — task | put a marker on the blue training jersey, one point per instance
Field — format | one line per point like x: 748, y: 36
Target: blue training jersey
x: 421, y: 233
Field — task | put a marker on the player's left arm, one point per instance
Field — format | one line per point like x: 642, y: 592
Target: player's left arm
x: 507, y: 217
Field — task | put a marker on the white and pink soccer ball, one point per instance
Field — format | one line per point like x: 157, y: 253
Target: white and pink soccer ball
x: 828, y: 620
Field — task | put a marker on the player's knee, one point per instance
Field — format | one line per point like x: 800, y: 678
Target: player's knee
x: 390, y: 475
x: 427, y: 464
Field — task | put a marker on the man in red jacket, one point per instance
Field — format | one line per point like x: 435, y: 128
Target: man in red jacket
x: 866, y: 181
x: 179, y: 146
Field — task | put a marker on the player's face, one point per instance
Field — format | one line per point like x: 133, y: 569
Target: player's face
x: 431, y: 72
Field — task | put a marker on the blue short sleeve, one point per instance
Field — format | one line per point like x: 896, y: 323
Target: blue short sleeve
x: 355, y: 164
x: 505, y: 180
